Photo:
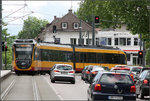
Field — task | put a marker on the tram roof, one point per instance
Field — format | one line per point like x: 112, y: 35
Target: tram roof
x: 78, y: 46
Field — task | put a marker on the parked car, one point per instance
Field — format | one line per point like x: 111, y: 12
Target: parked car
x: 143, y: 84
x: 84, y: 72
x: 112, y: 86
x: 93, y: 71
x: 62, y: 72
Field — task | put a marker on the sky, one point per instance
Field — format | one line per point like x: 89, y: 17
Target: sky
x: 15, y: 12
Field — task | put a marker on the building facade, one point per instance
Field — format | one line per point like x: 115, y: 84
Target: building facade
x: 66, y: 30
x: 122, y: 39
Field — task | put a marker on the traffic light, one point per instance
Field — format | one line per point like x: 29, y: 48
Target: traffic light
x: 54, y: 29
x: 4, y: 46
x: 96, y: 19
x: 140, y: 54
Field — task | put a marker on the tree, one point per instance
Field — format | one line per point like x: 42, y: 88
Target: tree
x: 32, y: 27
x: 114, y: 13
x: 9, y: 40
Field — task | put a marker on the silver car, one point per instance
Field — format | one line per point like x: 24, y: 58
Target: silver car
x: 62, y: 72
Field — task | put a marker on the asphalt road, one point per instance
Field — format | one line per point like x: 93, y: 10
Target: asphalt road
x: 39, y: 87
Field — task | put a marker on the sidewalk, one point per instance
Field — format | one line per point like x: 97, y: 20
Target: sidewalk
x: 4, y: 72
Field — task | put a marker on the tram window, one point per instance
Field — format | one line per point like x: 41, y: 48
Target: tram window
x: 100, y: 58
x: 83, y: 58
x: 77, y: 56
x: 92, y: 57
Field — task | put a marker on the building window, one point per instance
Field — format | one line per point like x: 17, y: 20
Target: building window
x: 123, y: 41
x: 109, y: 41
x: 135, y: 41
x: 128, y: 57
x: 73, y: 41
x: 57, y: 40
x: 128, y: 41
x: 76, y: 25
x: 116, y: 41
x: 88, y: 41
x: 64, y: 25
x: 82, y: 41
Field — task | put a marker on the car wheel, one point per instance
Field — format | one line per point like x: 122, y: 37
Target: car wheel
x: 52, y: 80
x: 141, y: 96
x: 73, y: 81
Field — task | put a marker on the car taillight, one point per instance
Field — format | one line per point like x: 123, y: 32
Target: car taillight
x: 71, y: 72
x: 132, y: 89
x: 87, y: 72
x: 97, y: 87
x: 145, y: 82
x: 94, y: 72
x: 56, y: 70
x: 132, y: 76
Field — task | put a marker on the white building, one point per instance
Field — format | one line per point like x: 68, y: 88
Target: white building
x: 122, y: 39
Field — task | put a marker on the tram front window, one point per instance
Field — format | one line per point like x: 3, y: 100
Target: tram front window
x: 24, y: 53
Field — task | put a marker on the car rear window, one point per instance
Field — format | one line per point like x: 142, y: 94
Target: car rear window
x: 115, y: 78
x: 98, y: 69
x: 136, y: 69
x: 64, y: 67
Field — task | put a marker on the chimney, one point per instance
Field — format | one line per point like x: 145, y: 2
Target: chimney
x: 54, y: 17
x: 70, y: 10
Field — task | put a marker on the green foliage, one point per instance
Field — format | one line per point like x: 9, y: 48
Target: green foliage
x: 9, y: 39
x: 32, y: 27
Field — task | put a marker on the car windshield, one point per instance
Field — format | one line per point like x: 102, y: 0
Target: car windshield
x: 64, y: 67
x: 115, y: 78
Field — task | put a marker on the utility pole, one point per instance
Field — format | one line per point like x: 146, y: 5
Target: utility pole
x: 5, y: 52
x: 143, y: 59
x: 88, y: 37
x: 0, y: 34
x: 140, y: 59
x: 93, y: 31
x: 80, y: 43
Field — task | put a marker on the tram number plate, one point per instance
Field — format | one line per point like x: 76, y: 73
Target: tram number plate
x: 115, y: 97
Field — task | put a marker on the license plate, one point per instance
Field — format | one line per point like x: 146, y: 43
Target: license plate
x: 115, y: 97
x: 64, y: 73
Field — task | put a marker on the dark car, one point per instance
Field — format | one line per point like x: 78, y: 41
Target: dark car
x: 93, y: 71
x: 143, y: 84
x: 87, y: 71
x: 112, y: 86
x: 84, y: 72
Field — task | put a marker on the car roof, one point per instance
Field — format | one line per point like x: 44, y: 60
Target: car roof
x: 113, y: 73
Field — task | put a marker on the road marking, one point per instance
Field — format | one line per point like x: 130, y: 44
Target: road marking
x: 35, y: 90
x: 3, y: 95
x: 60, y: 97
